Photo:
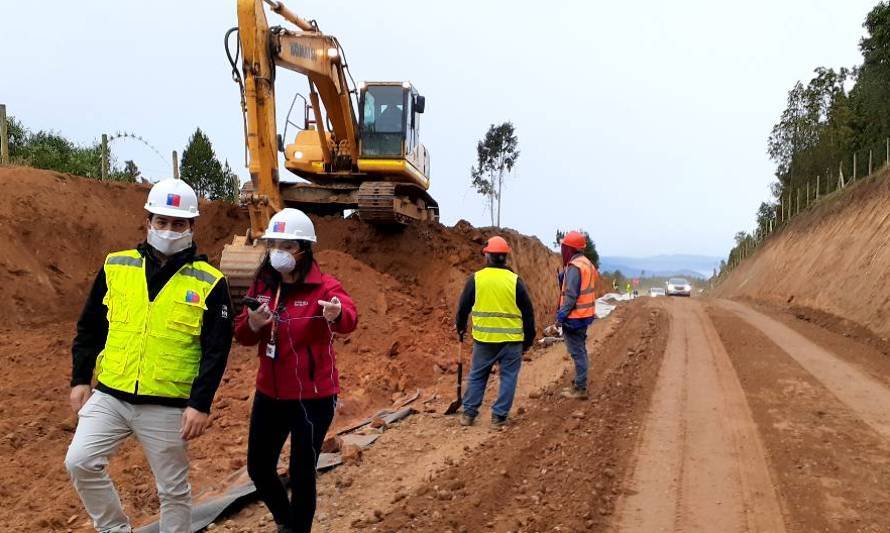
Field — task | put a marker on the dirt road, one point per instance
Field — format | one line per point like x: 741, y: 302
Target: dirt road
x: 701, y: 465
x: 705, y: 415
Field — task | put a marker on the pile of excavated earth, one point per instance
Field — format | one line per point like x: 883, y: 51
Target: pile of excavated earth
x: 55, y: 230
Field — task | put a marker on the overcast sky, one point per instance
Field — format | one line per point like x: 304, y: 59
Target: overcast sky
x: 644, y: 122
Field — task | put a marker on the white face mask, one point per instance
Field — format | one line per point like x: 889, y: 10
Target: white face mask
x: 282, y: 261
x: 169, y: 242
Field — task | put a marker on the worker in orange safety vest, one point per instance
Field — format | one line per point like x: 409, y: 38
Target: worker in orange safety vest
x: 577, y: 306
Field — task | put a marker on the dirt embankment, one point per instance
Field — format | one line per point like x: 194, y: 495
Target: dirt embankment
x: 55, y: 230
x: 832, y: 259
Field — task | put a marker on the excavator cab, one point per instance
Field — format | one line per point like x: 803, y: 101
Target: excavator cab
x: 389, y: 126
x: 388, y: 119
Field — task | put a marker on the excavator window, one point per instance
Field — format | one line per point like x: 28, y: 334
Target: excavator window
x: 383, y: 121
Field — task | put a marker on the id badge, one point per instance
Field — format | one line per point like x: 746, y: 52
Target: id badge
x: 270, y: 351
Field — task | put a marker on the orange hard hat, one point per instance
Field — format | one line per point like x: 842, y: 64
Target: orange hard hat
x: 496, y: 245
x: 575, y: 239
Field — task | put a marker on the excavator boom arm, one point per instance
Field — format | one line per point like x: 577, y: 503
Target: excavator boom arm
x: 309, y: 52
x: 259, y: 109
x: 319, y: 57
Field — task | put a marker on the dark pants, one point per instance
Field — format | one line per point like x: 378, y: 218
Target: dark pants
x: 576, y: 344
x: 509, y: 356
x: 271, y: 421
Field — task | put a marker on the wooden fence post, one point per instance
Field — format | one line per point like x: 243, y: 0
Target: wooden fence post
x: 808, y: 196
x: 817, y: 187
x: 103, y: 159
x: 869, y: 162
x: 175, y: 165
x: 4, y: 137
x: 854, y: 167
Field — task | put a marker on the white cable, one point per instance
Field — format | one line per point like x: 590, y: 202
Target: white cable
x: 297, y: 370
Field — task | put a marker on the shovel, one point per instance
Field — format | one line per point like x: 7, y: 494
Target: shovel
x: 455, y: 405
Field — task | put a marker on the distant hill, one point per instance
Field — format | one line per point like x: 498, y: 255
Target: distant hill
x: 661, y: 265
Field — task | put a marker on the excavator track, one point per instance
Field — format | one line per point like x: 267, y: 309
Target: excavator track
x: 388, y: 203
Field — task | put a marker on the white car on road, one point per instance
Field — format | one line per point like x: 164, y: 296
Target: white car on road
x: 679, y: 287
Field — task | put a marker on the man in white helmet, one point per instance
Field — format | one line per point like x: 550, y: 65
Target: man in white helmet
x: 156, y: 331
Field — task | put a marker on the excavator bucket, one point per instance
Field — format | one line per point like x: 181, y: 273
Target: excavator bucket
x: 240, y: 262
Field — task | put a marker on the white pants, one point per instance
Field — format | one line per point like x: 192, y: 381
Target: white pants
x: 104, y: 422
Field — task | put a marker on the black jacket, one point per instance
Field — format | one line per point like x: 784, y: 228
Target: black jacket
x: 523, y: 302
x: 216, y: 333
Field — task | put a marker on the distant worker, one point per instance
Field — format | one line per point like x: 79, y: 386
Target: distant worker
x: 298, y: 310
x: 577, y: 306
x: 157, y: 330
x: 628, y: 289
x: 503, y: 329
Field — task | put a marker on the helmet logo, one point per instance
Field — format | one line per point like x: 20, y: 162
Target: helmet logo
x: 173, y: 200
x: 192, y: 297
x: 279, y: 227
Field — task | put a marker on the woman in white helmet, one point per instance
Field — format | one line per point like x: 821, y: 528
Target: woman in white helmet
x: 298, y: 310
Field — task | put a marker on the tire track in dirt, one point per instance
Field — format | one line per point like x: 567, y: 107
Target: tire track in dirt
x: 701, y: 465
x: 864, y: 394
x: 831, y: 468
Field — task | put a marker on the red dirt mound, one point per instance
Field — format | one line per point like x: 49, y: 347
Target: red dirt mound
x: 55, y: 230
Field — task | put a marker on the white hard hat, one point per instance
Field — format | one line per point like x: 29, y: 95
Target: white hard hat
x: 290, y: 224
x: 172, y: 198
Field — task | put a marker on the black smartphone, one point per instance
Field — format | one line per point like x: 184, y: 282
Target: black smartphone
x: 252, y: 303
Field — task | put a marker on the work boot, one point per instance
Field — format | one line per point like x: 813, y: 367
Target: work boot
x: 467, y: 420
x: 575, y: 393
x: 498, y: 421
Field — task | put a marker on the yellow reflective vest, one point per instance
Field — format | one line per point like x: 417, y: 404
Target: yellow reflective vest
x: 153, y: 348
x: 496, y: 317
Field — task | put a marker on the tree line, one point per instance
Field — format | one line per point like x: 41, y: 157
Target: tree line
x: 838, y: 113
x: 50, y: 150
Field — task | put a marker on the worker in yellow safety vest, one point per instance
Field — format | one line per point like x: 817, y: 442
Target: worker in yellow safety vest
x: 155, y: 333
x: 503, y: 329
x: 577, y: 306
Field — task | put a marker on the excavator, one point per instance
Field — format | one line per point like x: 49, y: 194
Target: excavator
x: 369, y: 164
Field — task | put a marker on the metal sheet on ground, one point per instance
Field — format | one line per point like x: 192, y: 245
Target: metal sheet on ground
x: 206, y: 510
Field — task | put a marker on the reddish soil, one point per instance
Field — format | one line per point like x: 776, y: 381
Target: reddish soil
x: 54, y: 231
x: 832, y: 258
x: 704, y: 414
x: 560, y: 468
x: 830, y: 466
x: 701, y: 465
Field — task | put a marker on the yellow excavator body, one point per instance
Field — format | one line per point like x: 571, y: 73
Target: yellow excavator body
x: 369, y: 162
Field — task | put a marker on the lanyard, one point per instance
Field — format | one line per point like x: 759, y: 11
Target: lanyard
x: 270, y: 346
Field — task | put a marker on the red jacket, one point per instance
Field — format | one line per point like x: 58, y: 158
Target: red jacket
x: 304, y: 366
